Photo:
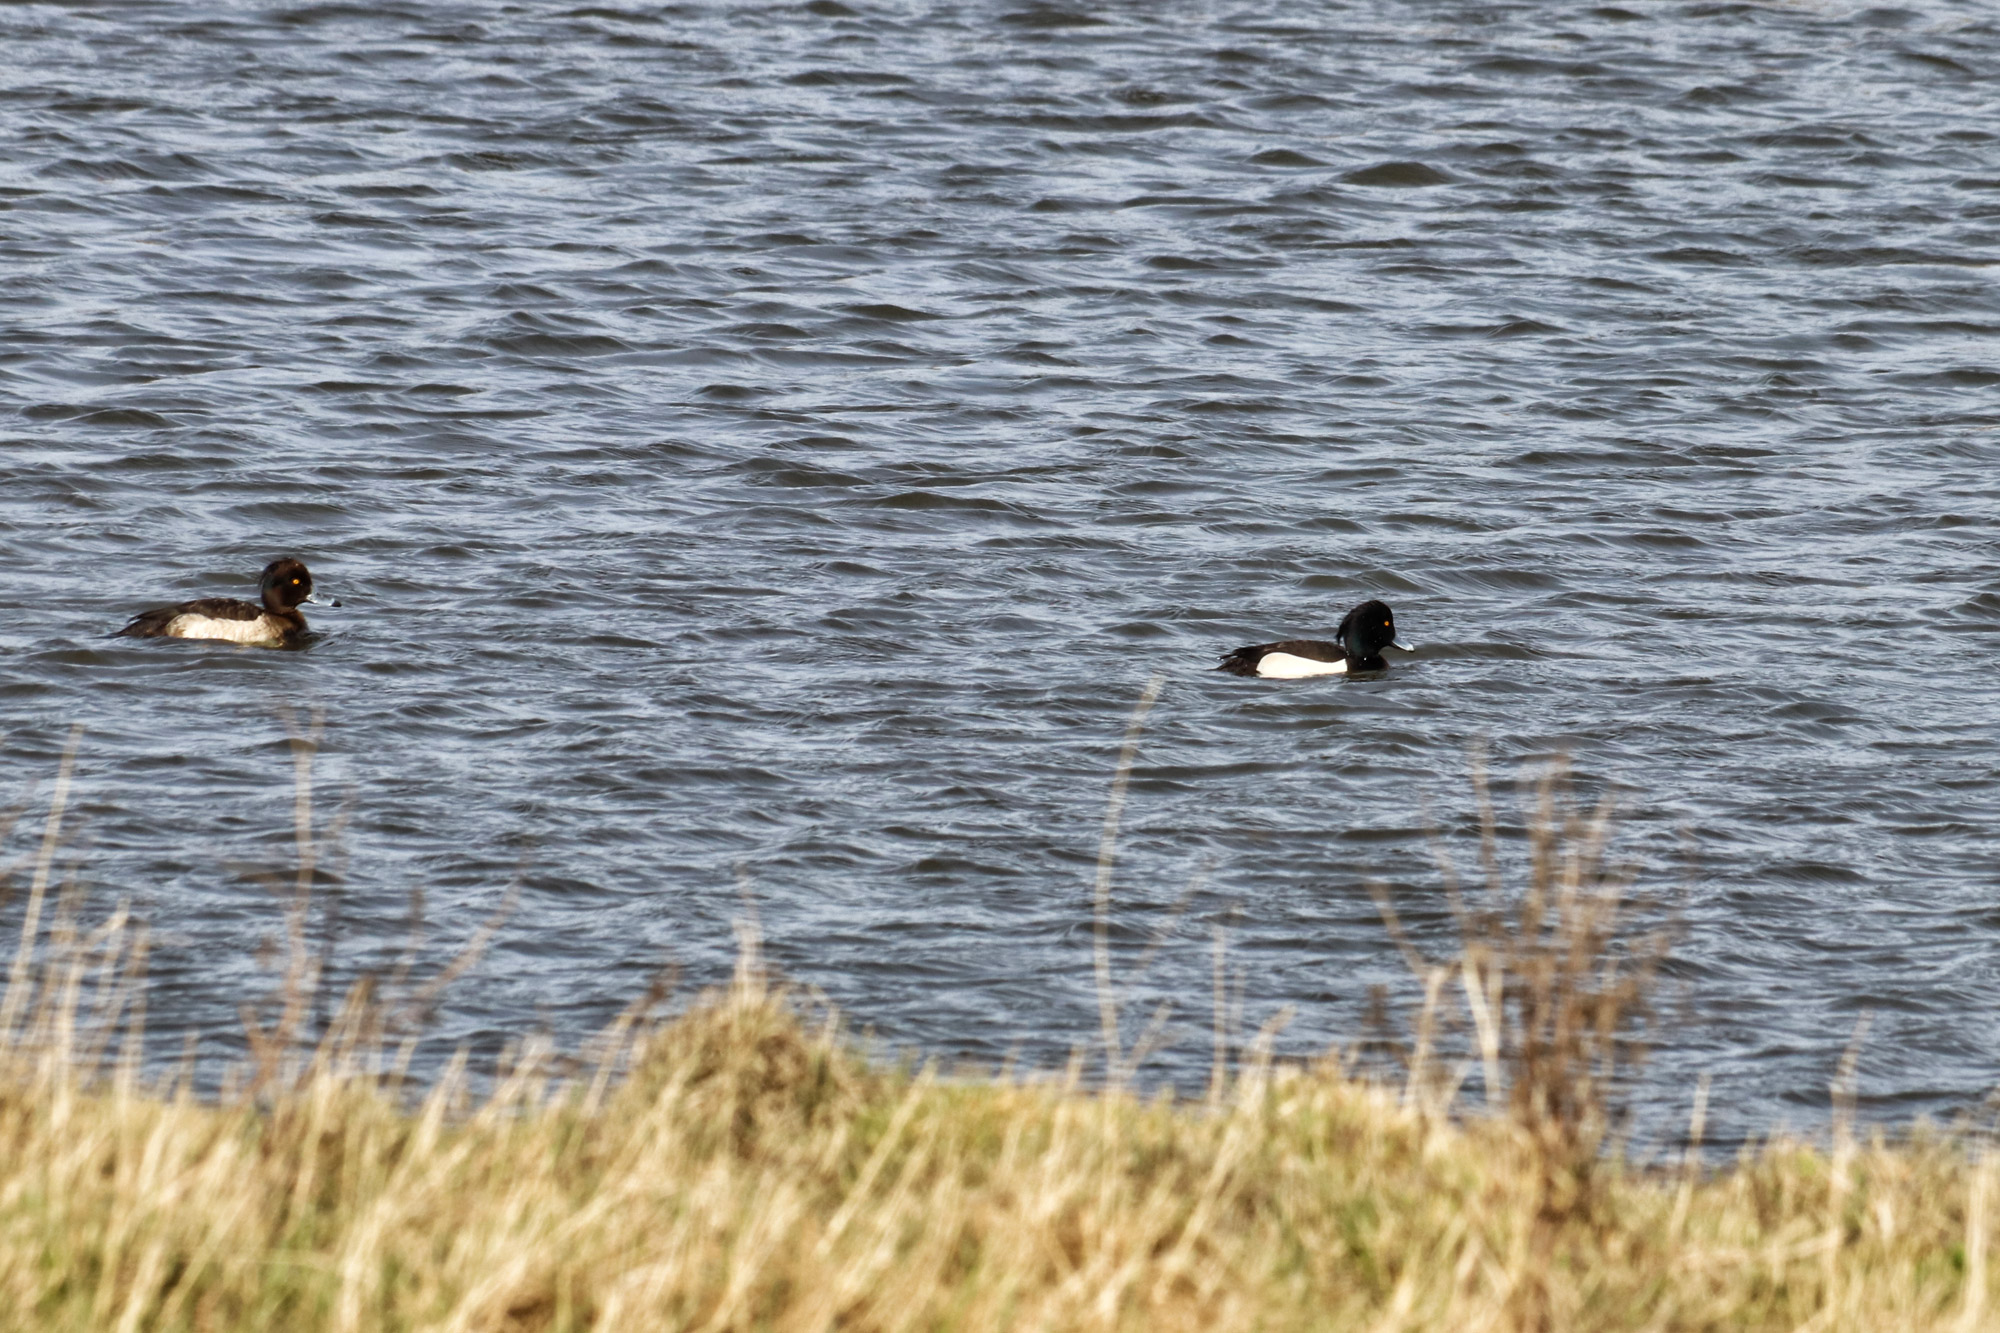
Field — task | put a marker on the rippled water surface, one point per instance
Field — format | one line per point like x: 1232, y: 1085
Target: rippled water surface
x: 769, y: 447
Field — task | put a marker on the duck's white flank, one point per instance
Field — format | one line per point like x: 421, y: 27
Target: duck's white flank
x: 191, y: 626
x: 1284, y: 666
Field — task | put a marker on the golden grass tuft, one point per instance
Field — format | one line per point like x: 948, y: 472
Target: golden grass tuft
x: 738, y: 1167
x: 751, y: 1172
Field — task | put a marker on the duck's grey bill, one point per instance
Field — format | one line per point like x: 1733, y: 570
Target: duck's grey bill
x: 318, y: 600
x: 1393, y: 643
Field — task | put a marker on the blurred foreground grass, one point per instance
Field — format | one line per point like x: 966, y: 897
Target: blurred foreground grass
x: 749, y: 1173
x: 737, y: 1167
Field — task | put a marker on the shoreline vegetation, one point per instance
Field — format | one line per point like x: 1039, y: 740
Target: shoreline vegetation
x: 743, y: 1164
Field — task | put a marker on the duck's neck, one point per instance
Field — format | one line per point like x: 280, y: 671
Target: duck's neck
x: 1359, y: 658
x: 290, y: 617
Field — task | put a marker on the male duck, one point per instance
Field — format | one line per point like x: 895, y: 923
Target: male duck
x: 275, y: 624
x: 1358, y: 644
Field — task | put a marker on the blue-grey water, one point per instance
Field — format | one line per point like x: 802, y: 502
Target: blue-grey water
x: 765, y: 449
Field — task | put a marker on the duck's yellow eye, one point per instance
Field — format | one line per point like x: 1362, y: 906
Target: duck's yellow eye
x: 295, y: 583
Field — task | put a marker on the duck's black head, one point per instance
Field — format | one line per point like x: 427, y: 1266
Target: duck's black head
x: 1367, y: 630
x: 285, y: 584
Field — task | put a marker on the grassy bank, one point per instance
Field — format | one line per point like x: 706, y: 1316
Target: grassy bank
x: 749, y: 1172
x: 738, y: 1167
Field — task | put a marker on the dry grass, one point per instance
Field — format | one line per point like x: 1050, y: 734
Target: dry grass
x: 748, y: 1172
x: 737, y: 1167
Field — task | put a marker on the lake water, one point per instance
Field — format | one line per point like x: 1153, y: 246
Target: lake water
x: 765, y: 449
